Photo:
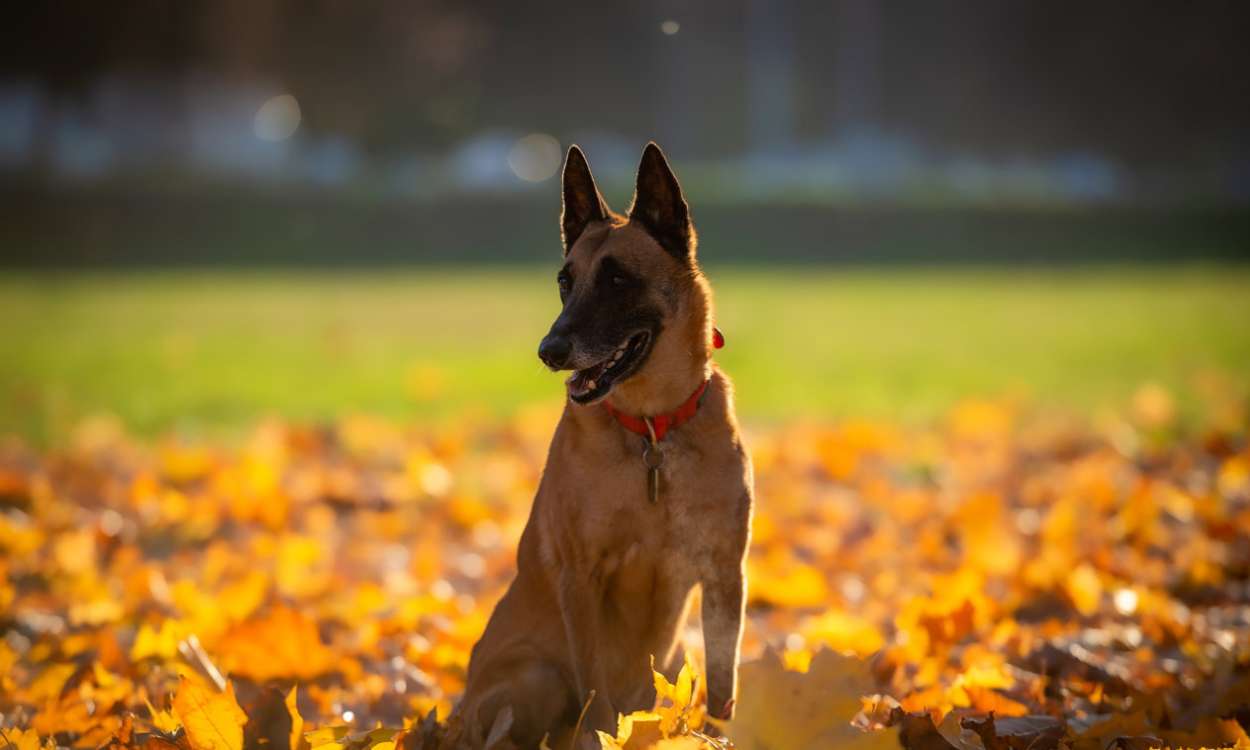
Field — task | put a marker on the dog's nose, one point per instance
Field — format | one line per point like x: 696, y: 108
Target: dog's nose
x: 554, y: 351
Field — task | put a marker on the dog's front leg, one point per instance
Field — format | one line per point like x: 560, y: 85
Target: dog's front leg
x: 724, y: 598
x: 580, y: 600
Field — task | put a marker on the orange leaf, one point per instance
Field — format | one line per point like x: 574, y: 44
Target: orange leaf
x: 283, y: 644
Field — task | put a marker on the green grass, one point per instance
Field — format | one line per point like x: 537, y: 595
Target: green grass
x: 221, y: 349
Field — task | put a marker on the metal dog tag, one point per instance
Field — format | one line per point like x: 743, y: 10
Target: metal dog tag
x: 652, y: 457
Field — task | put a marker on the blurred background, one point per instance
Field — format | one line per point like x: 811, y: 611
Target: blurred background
x: 213, y: 211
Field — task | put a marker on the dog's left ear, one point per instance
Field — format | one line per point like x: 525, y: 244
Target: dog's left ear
x: 660, y: 207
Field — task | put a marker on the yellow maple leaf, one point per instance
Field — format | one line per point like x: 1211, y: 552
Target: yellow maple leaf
x: 635, y: 731
x: 297, y: 721
x: 680, y: 695
x: 212, y: 720
x: 47, y: 686
x: 326, y: 738
x: 163, y: 720
x: 159, y: 643
x: 17, y: 739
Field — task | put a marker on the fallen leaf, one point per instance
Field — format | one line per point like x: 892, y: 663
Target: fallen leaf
x: 781, y: 709
x: 212, y: 720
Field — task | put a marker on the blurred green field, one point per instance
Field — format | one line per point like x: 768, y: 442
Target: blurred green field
x: 217, y: 350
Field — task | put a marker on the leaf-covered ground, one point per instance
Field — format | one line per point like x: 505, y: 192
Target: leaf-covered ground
x: 999, y: 580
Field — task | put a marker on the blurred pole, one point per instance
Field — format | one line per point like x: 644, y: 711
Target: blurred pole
x: 857, y: 79
x: 770, y: 75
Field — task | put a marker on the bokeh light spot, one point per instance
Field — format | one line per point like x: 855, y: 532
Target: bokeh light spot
x: 535, y: 158
x: 670, y: 27
x: 277, y: 119
x: 1125, y: 601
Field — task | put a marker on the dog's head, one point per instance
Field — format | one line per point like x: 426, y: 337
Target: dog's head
x: 630, y: 285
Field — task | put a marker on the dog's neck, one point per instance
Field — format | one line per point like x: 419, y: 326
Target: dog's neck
x: 679, y: 362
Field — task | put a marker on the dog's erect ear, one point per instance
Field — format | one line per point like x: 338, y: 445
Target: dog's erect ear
x: 580, y: 199
x: 660, y: 207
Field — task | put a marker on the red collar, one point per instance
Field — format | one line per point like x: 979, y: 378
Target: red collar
x: 661, y: 423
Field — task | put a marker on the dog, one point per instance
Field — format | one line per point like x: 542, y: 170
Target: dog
x: 646, y: 495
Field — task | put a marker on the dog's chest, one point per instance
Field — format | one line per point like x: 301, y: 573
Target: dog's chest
x: 632, y: 526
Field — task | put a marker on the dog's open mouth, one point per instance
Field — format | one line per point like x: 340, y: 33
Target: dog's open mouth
x: 593, y: 383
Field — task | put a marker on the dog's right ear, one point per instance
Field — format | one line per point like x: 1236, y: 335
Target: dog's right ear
x: 580, y: 199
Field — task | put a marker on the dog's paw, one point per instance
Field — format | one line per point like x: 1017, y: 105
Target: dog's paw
x: 726, y: 711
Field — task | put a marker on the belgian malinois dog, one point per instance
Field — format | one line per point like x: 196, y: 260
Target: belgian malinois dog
x: 646, y: 494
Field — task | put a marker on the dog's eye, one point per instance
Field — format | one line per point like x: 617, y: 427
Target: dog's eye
x: 619, y: 280
x: 565, y: 282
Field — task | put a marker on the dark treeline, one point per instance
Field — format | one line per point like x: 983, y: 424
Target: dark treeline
x: 94, y: 229
x: 1144, y: 83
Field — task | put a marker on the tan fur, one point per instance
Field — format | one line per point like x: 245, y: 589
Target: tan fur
x: 604, y: 577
